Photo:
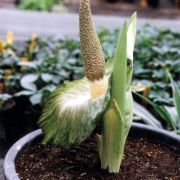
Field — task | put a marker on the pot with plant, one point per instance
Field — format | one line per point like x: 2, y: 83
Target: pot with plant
x: 85, y: 123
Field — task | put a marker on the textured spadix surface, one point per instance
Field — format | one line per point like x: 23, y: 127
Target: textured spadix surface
x: 119, y: 114
x: 94, y: 63
x: 71, y: 113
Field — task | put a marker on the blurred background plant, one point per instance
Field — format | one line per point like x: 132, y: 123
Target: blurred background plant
x: 170, y: 115
x: 38, y: 65
x: 31, y: 70
x: 40, y: 5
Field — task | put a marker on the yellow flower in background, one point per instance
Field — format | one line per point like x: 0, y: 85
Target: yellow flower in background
x: 7, y: 73
x: 138, y: 87
x: 25, y: 59
x: 1, y: 47
x: 24, y: 67
x: 34, y: 36
x: 10, y: 38
x: 33, y: 44
x: 9, y: 51
x: 147, y: 91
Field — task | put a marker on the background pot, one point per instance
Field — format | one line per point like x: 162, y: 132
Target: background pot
x: 28, y: 114
x: 137, y: 129
x: 18, y: 119
x: 10, y: 126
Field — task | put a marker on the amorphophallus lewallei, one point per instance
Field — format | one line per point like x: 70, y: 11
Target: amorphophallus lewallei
x: 104, y: 95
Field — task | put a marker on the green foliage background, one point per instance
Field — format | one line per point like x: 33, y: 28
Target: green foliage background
x: 54, y: 60
x: 38, y: 5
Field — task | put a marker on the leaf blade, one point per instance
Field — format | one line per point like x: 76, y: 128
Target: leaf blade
x: 146, y: 116
x: 120, y: 70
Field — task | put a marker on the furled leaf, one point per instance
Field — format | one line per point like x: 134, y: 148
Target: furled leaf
x: 111, y: 143
x: 176, y: 94
x: 120, y: 70
x: 174, y: 116
x: 131, y: 36
x: 28, y: 64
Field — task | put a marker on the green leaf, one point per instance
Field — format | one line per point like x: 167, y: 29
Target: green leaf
x: 118, y: 117
x: 176, y: 95
x: 111, y: 143
x: 131, y: 36
x: 5, y: 97
x: 36, y: 98
x: 28, y: 82
x: 24, y: 93
x: 120, y: 71
x: 46, y: 77
x: 160, y: 110
x: 147, y: 117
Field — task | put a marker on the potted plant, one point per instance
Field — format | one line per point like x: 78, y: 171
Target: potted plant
x: 97, y: 108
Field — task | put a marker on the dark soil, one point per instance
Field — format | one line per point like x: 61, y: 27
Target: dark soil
x: 144, y: 159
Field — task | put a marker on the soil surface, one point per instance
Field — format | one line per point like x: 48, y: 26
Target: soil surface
x: 144, y: 159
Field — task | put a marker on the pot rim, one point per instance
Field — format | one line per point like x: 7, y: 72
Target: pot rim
x: 9, y: 162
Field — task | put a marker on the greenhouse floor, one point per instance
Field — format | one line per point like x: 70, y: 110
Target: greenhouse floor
x: 25, y: 23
